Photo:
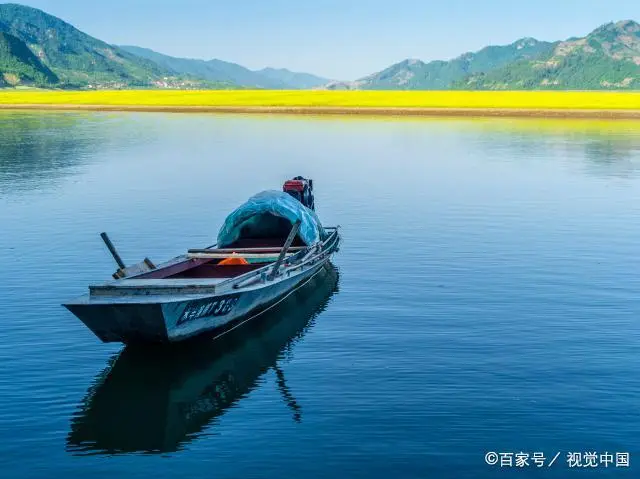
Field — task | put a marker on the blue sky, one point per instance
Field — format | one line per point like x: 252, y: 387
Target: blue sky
x: 338, y: 39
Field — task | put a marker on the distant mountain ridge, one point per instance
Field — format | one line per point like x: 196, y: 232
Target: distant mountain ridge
x: 40, y: 49
x: 232, y: 73
x: 607, y: 58
x: 215, y: 70
x: 412, y: 74
x: 294, y: 79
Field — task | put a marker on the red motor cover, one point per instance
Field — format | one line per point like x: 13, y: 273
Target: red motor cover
x: 293, y: 185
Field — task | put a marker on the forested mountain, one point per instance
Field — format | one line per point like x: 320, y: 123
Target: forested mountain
x: 439, y: 75
x: 18, y: 64
x: 607, y: 58
x: 38, y: 49
x: 75, y: 58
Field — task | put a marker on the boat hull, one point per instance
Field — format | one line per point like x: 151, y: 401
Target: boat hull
x: 165, y: 319
x: 219, y: 314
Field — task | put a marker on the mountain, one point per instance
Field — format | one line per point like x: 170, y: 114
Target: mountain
x: 294, y: 80
x: 607, y: 58
x: 439, y: 75
x: 213, y: 70
x: 227, y: 72
x: 19, y: 66
x: 39, y: 49
x: 74, y: 57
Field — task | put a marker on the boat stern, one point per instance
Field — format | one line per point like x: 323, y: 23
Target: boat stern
x: 124, y: 323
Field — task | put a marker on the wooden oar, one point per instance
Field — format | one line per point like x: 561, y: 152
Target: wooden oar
x: 112, y: 250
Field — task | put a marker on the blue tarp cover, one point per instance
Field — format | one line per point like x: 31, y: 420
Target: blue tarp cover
x: 262, y: 216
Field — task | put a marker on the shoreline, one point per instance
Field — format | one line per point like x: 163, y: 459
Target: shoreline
x: 342, y: 110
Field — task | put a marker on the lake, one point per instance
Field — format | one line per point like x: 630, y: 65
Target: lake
x: 485, y: 298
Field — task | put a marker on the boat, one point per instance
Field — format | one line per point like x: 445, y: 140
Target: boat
x: 267, y: 248
x: 159, y: 399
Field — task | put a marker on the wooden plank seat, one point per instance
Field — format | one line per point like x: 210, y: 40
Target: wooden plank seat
x: 265, y: 254
x: 255, y: 250
x: 247, y: 256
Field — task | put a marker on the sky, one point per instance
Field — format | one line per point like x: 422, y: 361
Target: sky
x: 337, y: 39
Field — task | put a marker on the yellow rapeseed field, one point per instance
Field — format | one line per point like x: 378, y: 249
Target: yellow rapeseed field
x: 531, y: 100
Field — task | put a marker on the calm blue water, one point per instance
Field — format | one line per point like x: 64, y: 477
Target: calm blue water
x: 486, y: 298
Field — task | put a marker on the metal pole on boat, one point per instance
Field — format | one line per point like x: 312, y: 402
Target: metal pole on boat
x: 112, y: 250
x: 285, y: 248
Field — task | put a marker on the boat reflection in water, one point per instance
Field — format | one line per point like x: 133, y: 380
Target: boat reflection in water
x: 159, y: 399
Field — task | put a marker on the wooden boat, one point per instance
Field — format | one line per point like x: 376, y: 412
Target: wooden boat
x: 214, y: 290
x: 159, y: 399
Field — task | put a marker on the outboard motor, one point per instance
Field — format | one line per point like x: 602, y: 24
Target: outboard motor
x: 302, y: 190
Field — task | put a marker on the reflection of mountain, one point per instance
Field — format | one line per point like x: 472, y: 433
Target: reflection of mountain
x: 613, y: 156
x: 40, y: 147
x: 157, y: 400
x: 609, y: 148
